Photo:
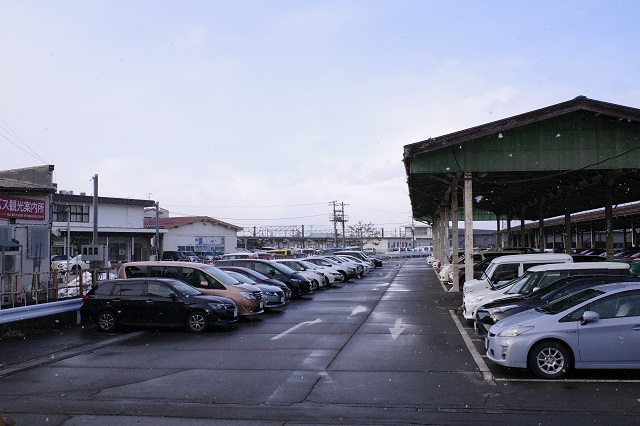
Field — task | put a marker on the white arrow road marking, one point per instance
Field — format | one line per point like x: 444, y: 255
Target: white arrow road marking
x: 358, y: 310
x: 295, y: 327
x: 397, y: 329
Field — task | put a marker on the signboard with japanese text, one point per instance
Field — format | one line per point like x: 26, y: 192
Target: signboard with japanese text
x: 22, y: 208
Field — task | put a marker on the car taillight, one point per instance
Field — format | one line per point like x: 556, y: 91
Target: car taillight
x: 85, y: 298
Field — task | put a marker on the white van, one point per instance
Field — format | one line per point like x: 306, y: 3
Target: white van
x: 505, y: 268
x: 538, y: 277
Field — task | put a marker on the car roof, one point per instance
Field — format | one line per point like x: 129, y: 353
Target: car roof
x: 617, y: 287
x: 141, y: 279
x: 532, y: 256
x: 166, y: 263
x: 579, y: 265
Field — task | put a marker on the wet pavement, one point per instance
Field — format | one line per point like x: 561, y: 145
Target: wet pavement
x: 387, y: 349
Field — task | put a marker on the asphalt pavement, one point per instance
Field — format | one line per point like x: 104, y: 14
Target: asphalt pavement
x: 387, y: 349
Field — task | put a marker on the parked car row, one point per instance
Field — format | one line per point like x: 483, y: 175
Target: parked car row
x: 551, y: 313
x: 196, y: 295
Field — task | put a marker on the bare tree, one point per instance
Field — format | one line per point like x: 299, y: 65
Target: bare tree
x: 362, y: 233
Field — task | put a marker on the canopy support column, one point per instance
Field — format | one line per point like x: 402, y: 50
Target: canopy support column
x: 454, y: 236
x: 608, y: 216
x: 541, y: 231
x: 468, y: 225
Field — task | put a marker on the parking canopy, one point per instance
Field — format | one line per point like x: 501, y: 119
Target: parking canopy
x: 565, y: 158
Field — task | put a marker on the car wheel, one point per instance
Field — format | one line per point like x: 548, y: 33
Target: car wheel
x: 326, y: 282
x: 315, y: 285
x: 107, y: 321
x: 550, y: 360
x: 345, y: 277
x: 197, y: 322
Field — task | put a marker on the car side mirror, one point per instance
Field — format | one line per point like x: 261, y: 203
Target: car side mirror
x: 173, y: 297
x: 589, y: 316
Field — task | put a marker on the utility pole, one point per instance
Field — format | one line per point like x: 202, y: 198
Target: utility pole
x: 157, y: 231
x: 335, y: 224
x: 95, y: 210
x: 344, y: 236
x: 338, y: 216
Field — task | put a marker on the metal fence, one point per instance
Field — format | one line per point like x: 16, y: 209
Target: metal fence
x: 40, y: 294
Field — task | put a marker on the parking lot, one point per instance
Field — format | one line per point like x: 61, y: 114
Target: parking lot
x: 390, y: 348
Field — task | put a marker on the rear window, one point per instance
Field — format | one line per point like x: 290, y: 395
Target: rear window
x: 135, y: 271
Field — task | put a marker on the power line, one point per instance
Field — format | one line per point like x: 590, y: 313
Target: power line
x: 247, y: 207
x: 12, y: 133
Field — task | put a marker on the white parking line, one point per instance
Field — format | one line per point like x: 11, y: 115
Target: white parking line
x: 482, y: 366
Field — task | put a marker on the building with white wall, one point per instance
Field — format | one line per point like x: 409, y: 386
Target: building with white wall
x: 195, y: 233
x: 120, y: 226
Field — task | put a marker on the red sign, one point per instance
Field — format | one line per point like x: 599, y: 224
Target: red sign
x: 22, y: 208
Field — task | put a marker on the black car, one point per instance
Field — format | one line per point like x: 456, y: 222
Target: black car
x: 298, y: 284
x: 258, y: 277
x: 489, y: 314
x: 155, y: 302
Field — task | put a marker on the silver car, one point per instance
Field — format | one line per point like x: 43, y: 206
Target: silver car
x: 598, y: 327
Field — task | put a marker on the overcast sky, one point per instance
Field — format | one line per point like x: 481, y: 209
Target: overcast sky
x: 263, y: 112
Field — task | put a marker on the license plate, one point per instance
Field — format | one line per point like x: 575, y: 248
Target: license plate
x: 282, y: 299
x: 261, y: 305
x: 486, y: 343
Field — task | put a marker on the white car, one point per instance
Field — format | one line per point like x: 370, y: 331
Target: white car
x: 368, y: 266
x: 75, y: 264
x: 346, y: 271
x: 317, y: 278
x: 538, y: 277
x: 332, y: 276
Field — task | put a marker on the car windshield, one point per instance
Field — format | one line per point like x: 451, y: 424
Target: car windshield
x: 242, y: 278
x: 219, y: 275
x: 524, y: 284
x: 508, y: 284
x: 184, y: 288
x: 489, y: 271
x: 282, y: 268
x: 309, y: 265
x: 541, y: 292
x: 293, y: 265
x: 257, y: 275
x: 569, y: 301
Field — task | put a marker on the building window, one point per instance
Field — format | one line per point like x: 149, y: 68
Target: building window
x: 77, y: 213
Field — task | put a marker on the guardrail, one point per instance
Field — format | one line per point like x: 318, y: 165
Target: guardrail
x: 22, y: 313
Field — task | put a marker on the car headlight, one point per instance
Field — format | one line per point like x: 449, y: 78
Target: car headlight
x: 467, y: 289
x: 248, y: 295
x: 516, y: 330
x: 478, y: 298
x: 217, y: 306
